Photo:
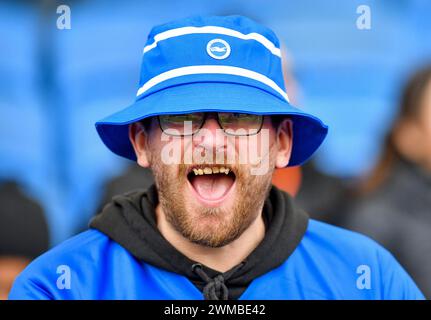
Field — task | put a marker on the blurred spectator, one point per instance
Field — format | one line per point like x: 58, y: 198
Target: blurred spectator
x: 322, y: 196
x: 23, y: 234
x: 394, y: 204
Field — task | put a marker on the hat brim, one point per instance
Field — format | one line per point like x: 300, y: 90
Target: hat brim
x: 308, y: 131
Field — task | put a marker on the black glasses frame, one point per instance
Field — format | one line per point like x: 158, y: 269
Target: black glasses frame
x: 205, y: 117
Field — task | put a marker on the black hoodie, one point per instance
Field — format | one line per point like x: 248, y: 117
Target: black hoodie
x: 129, y: 219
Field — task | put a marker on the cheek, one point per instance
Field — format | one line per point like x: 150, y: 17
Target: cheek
x: 427, y: 127
x: 164, y: 149
x: 428, y: 138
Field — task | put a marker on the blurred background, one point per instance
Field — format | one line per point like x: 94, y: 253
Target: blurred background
x: 56, y: 83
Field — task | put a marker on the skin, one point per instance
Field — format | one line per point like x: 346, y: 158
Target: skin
x: 412, y: 136
x: 222, y: 235
x: 10, y: 268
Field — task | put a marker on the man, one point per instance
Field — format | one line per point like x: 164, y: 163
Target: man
x: 212, y: 122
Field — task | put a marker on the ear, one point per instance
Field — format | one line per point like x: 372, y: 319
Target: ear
x: 138, y: 138
x: 284, y: 136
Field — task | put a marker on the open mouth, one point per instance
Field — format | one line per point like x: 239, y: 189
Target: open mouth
x: 211, y: 183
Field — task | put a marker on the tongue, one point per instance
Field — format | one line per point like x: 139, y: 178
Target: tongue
x: 212, y: 187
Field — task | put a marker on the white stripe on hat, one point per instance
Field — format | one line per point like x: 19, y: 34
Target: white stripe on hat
x: 213, y: 29
x: 211, y: 69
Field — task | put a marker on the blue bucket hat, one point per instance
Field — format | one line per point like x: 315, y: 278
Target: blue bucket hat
x: 211, y: 64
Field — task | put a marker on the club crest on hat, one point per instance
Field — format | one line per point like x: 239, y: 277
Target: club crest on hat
x: 218, y: 49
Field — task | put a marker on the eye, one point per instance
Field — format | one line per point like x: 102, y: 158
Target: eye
x: 176, y: 124
x: 235, y: 123
x: 240, y: 115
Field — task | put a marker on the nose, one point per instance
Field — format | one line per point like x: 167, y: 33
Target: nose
x: 211, y: 122
x: 210, y: 136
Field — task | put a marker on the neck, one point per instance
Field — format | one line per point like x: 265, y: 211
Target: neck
x: 221, y: 259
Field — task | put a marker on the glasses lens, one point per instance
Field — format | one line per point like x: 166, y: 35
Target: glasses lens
x: 240, y: 124
x: 181, y: 124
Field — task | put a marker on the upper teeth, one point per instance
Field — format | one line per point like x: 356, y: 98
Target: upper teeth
x: 208, y: 170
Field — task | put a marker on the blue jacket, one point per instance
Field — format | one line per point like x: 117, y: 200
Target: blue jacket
x: 328, y: 263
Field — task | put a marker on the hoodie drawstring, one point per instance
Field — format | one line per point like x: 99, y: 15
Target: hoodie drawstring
x: 215, y: 288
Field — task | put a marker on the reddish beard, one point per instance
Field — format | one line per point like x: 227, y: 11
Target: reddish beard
x: 211, y: 227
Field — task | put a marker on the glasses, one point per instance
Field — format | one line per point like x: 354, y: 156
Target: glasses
x: 233, y: 124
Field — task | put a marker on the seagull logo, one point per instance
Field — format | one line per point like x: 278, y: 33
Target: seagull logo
x: 218, y: 49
